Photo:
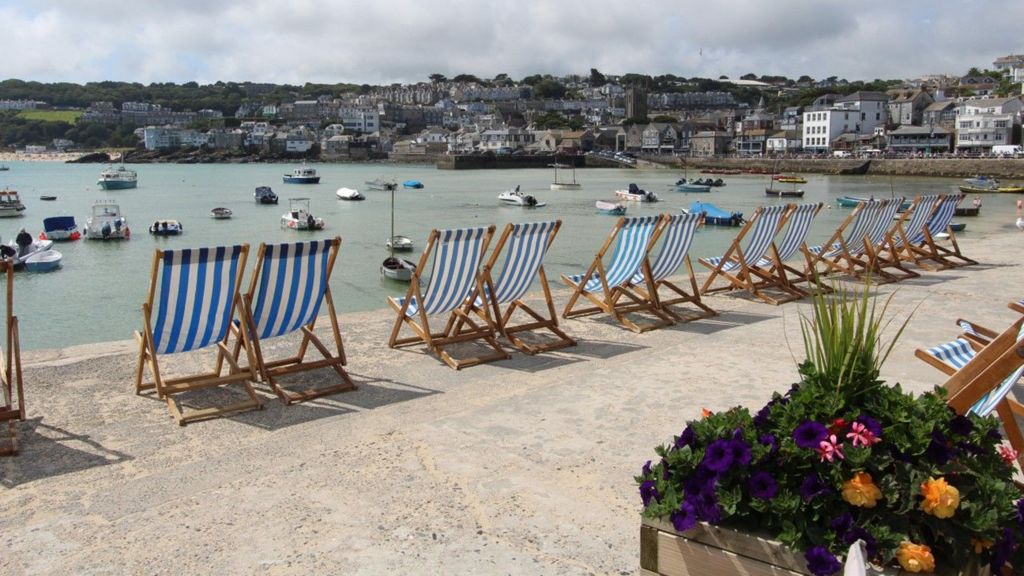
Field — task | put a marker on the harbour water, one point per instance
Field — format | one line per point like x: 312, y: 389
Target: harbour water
x: 97, y: 295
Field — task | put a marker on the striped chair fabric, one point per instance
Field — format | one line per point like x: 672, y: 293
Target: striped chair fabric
x: 914, y: 228
x: 943, y: 215
x: 630, y: 249
x: 765, y: 228
x: 796, y: 232
x: 858, y: 229
x: 524, y: 256
x: 677, y: 242
x: 883, y: 223
x: 454, y: 273
x: 195, y: 298
x: 292, y: 281
x: 958, y: 353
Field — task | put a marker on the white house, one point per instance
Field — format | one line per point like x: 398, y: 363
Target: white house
x: 857, y: 114
x: 984, y: 123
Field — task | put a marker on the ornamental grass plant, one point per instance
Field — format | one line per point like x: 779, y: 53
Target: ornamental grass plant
x: 843, y: 456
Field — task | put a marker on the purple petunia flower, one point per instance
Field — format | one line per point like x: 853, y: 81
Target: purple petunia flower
x: 812, y: 487
x: 648, y: 491
x: 686, y: 438
x: 857, y: 533
x: 809, y: 434
x: 995, y: 435
x: 961, y: 425
x: 761, y: 418
x: 666, y: 470
x: 708, y: 509
x: 762, y: 486
x: 870, y: 423
x: 769, y: 441
x: 938, y: 450
x: 740, y: 452
x: 841, y: 524
x: 646, y: 470
x: 701, y: 481
x: 970, y: 448
x: 718, y: 457
x: 821, y: 562
x: 685, y: 517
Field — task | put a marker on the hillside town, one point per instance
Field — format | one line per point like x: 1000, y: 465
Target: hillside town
x: 972, y: 115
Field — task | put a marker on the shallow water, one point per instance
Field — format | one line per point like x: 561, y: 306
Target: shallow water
x: 97, y: 295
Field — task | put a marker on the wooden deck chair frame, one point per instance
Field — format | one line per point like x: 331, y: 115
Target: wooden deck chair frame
x: 502, y: 318
x: 13, y: 408
x: 458, y: 315
x: 775, y: 265
x: 910, y: 230
x: 833, y: 249
x: 256, y: 298
x: 746, y: 275
x: 608, y: 300
x: 1017, y: 306
x: 168, y: 388
x: 879, y: 262
x: 945, y: 257
x: 676, y: 240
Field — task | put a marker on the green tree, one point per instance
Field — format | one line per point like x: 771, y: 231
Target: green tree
x: 467, y: 78
x: 435, y: 78
x: 549, y: 88
x: 596, y: 78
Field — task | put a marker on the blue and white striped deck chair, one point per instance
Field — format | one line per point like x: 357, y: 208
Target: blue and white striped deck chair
x: 910, y: 229
x: 289, y: 284
x: 606, y: 286
x: 527, y: 244
x: 737, y: 265
x: 931, y: 249
x: 849, y: 235
x: 454, y: 278
x: 876, y: 263
x: 982, y: 377
x: 798, y: 225
x: 196, y: 299
x: 675, y: 251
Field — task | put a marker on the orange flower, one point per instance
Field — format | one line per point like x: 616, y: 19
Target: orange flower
x: 980, y: 545
x: 915, y: 557
x: 940, y: 499
x: 704, y: 412
x: 861, y: 490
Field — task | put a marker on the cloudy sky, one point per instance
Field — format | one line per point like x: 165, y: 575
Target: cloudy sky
x: 384, y: 41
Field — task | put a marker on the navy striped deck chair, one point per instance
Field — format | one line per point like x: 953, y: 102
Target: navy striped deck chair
x: 675, y: 251
x: 874, y: 264
x: 752, y: 243
x: 910, y: 229
x: 12, y: 410
x: 193, y: 299
x: 982, y: 376
x: 794, y: 240
x: 289, y: 285
x: 527, y: 244
x: 605, y: 286
x: 847, y: 239
x: 931, y: 248
x: 454, y: 278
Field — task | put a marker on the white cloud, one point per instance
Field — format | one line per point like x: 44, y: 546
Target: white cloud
x: 383, y: 41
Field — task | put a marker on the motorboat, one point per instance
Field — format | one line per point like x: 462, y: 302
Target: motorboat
x: 780, y: 193
x: 558, y: 185
x: 106, y: 222
x: 10, y: 203
x: 60, y: 229
x: 299, y: 218
x: 399, y: 244
x: 789, y: 178
x: 636, y: 194
x: 302, y: 175
x: 398, y: 269
x: 715, y: 216
x: 514, y: 197
x: 349, y: 194
x: 412, y: 184
x: 264, y: 195
x: 682, y: 185
x: 610, y: 208
x: 983, y: 182
x: 165, y: 228
x: 119, y: 178
x: 997, y: 188
x: 17, y: 254
x: 48, y: 198
x: 220, y: 213
x: 43, y: 261
x: 379, y: 184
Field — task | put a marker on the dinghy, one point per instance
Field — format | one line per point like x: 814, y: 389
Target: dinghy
x: 715, y: 216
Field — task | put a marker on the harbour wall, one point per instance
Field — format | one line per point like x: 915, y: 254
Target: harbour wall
x: 1004, y: 168
x: 495, y: 161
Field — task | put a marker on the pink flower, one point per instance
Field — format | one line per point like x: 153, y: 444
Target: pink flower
x: 1008, y: 454
x: 830, y: 448
x: 860, y: 435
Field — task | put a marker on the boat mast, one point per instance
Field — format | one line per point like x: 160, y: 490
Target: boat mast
x: 391, y: 239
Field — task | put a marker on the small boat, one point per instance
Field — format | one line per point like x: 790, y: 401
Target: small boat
x: 557, y: 185
x: 18, y: 254
x: 221, y: 213
x: 107, y: 222
x: 264, y: 195
x: 1003, y: 189
x: 43, y: 261
x: 779, y: 193
x: 398, y: 269
x: 789, y: 178
x: 165, y: 228
x: 60, y: 229
x: 516, y: 198
x: 378, y: 184
x: 636, y: 194
x: 853, y: 201
x: 120, y: 178
x: 713, y: 182
x: 399, y: 243
x: 957, y: 226
x: 610, y: 208
x: 683, y: 186
x: 982, y: 181
x: 299, y: 218
x: 349, y: 194
x: 4, y: 167
x: 302, y: 175
x: 48, y: 198
x: 10, y: 203
x: 412, y: 184
x: 715, y: 216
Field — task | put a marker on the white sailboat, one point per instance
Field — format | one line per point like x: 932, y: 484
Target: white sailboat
x: 556, y: 185
x: 398, y: 269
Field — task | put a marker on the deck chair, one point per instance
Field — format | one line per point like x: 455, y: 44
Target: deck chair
x: 197, y: 300
x: 289, y: 284
x: 13, y: 408
x: 675, y: 250
x: 774, y: 265
x: 1017, y: 306
x: 909, y: 230
x: 931, y: 249
x: 605, y: 286
x: 983, y: 376
x: 527, y: 244
x: 737, y: 264
x: 876, y: 263
x: 454, y: 277
x: 848, y: 239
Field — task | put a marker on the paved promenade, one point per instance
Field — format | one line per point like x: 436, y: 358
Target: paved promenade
x: 518, y: 467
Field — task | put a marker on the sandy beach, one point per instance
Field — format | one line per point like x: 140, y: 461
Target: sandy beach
x: 522, y: 466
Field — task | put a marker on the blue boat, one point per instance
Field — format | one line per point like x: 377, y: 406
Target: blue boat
x: 852, y: 201
x: 683, y: 186
x: 302, y: 175
x: 715, y: 216
x: 61, y: 228
x: 412, y: 184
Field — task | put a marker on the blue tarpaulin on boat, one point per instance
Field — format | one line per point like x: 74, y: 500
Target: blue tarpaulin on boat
x: 58, y: 223
x: 412, y: 184
x: 709, y: 210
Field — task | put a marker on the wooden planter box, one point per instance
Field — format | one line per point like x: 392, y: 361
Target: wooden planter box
x: 711, y: 550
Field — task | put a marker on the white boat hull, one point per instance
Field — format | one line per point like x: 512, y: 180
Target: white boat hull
x: 399, y: 244
x: 566, y: 186
x: 349, y: 194
x: 397, y: 269
x: 43, y: 261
